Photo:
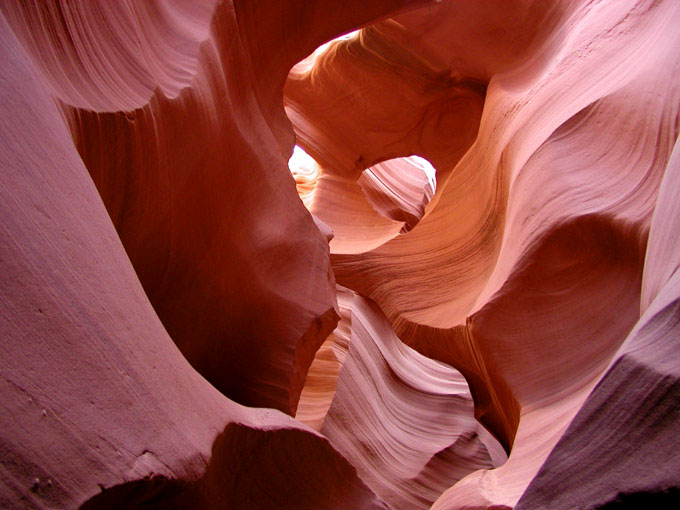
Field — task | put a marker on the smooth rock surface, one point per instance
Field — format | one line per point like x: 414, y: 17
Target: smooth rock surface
x: 186, y: 321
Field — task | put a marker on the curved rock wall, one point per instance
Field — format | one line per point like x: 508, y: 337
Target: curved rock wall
x: 506, y: 338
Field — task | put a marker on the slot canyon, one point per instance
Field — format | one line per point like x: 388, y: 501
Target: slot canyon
x: 340, y: 254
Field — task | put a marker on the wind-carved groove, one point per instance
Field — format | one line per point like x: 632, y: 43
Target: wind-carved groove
x: 507, y: 331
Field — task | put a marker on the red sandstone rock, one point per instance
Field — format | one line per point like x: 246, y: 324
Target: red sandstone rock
x: 145, y: 200
x: 399, y: 189
x: 95, y: 395
x: 619, y: 450
x: 174, y: 175
x: 97, y: 402
x: 405, y: 421
x: 554, y: 199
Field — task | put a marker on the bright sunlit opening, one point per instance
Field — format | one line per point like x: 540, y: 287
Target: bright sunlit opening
x: 305, y: 172
x: 301, y: 162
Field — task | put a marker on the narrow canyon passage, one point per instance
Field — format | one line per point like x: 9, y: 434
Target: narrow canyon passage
x: 398, y: 254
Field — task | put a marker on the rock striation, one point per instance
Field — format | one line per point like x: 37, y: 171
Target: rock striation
x: 467, y: 296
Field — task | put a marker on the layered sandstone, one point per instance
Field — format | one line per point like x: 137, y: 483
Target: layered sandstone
x: 503, y: 334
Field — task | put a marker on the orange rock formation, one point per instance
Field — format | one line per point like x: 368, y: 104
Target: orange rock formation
x: 185, y: 323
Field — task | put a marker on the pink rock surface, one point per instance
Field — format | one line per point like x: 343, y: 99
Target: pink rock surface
x: 173, y: 174
x: 619, y: 449
x: 526, y: 271
x: 399, y: 189
x: 96, y: 399
x: 504, y: 335
x: 322, y: 379
x: 405, y: 421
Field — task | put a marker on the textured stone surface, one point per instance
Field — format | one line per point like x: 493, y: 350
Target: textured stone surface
x: 393, y: 403
x: 502, y: 335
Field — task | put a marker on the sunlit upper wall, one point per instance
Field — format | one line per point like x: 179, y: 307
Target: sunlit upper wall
x: 400, y: 188
x: 427, y: 169
x: 305, y: 65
